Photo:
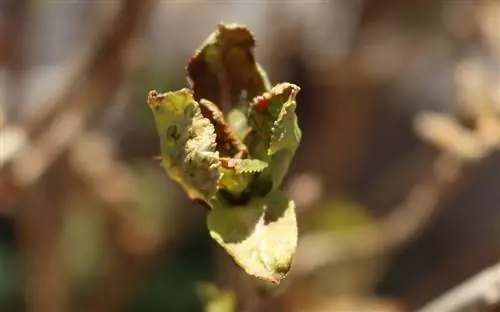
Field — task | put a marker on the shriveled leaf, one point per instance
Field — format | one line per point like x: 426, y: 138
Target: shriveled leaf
x: 260, y: 236
x: 275, y: 134
x: 224, y: 70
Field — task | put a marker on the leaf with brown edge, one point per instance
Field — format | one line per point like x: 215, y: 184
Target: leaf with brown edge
x: 224, y: 68
x: 187, y: 142
x: 261, y: 236
x: 275, y: 134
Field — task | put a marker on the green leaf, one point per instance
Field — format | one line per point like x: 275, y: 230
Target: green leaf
x: 238, y: 122
x: 187, y: 142
x: 275, y: 134
x: 238, y: 173
x: 261, y: 236
x: 250, y: 166
x: 270, y: 116
x: 285, y: 134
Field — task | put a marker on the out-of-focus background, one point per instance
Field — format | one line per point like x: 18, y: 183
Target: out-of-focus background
x: 396, y: 180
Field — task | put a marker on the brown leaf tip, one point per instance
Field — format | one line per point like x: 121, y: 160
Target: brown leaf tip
x: 154, y: 98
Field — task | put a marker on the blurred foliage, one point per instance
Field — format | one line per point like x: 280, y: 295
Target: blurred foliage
x: 216, y: 300
x: 342, y: 218
x: 10, y: 281
x: 170, y: 284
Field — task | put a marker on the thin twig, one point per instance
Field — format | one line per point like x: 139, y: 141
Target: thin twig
x: 478, y: 293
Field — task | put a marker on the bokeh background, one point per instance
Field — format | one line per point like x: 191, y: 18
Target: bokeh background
x: 396, y: 180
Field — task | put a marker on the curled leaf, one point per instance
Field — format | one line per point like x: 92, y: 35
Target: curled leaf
x: 224, y: 70
x: 187, y: 141
x: 264, y: 115
x: 275, y: 134
x: 228, y: 144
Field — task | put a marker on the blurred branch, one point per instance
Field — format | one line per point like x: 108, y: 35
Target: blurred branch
x: 95, y: 85
x: 409, y: 218
x: 38, y: 223
x: 102, y: 66
x: 40, y: 171
x: 404, y: 223
x: 116, y: 185
x: 480, y: 292
x: 13, y: 51
x: 459, y: 146
x: 113, y: 184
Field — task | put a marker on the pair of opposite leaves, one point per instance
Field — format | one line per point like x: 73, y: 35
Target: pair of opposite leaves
x: 236, y: 168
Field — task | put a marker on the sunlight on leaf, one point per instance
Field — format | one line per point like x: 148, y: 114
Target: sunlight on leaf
x: 261, y: 236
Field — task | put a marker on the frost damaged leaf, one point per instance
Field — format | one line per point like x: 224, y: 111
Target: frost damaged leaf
x: 275, y: 134
x: 224, y: 67
x: 260, y: 236
x: 187, y: 142
x: 234, y: 167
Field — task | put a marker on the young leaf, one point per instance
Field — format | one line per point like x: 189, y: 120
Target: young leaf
x: 275, y: 133
x: 244, y: 165
x: 238, y: 173
x: 261, y: 236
